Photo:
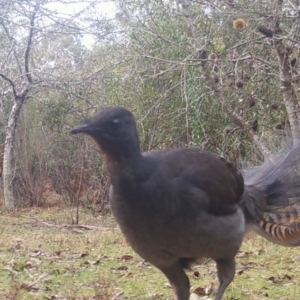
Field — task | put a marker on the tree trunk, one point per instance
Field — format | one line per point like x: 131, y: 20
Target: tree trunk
x: 8, y: 168
x: 283, y: 54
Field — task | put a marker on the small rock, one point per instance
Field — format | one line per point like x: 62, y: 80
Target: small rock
x: 194, y: 296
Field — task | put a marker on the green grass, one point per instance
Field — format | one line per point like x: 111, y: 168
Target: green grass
x: 42, y: 262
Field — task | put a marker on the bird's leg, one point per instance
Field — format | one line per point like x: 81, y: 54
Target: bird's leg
x: 178, y: 280
x: 226, y: 272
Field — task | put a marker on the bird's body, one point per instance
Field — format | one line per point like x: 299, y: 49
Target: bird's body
x: 177, y: 214
x: 177, y: 206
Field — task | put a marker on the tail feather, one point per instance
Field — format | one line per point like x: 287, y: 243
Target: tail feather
x: 279, y: 234
x: 287, y: 216
x: 271, y: 201
x: 273, y: 170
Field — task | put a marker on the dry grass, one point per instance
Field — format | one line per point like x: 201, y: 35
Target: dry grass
x: 39, y: 262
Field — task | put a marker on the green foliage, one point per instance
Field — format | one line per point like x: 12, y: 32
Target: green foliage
x: 167, y: 84
x: 147, y: 59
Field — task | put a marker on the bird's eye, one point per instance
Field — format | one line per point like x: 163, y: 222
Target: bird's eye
x: 115, y: 124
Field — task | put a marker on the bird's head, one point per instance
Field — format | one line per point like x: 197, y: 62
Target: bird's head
x: 114, y: 130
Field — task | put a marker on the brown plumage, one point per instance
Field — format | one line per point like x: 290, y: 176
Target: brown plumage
x: 277, y: 215
x: 176, y: 206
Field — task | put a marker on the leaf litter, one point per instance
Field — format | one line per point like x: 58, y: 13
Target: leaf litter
x: 52, y: 262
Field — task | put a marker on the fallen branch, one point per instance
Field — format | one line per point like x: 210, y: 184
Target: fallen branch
x: 68, y: 226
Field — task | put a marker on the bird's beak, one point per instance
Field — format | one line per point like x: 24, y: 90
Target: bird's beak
x: 83, y: 128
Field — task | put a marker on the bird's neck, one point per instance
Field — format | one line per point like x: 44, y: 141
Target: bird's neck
x: 121, y: 160
x: 121, y: 156
x: 119, y: 151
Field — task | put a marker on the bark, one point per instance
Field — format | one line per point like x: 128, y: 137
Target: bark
x: 8, y: 168
x: 286, y: 86
x: 18, y: 100
x: 283, y: 50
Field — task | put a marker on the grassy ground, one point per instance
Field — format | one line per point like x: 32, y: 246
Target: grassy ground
x: 39, y: 261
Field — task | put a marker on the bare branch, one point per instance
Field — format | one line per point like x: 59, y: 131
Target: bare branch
x: 67, y: 226
x: 235, y: 117
x: 12, y: 40
x: 283, y: 55
x: 11, y: 83
x: 29, y: 43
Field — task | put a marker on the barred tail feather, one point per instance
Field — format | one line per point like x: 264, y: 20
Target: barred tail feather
x: 278, y: 234
x: 271, y: 201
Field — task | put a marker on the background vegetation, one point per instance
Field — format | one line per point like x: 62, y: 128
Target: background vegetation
x: 219, y: 75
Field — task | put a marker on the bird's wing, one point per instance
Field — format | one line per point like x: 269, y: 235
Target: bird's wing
x: 194, y: 170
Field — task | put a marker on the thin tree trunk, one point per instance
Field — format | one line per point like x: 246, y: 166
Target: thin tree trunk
x: 283, y: 51
x: 8, y: 169
x: 283, y: 55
